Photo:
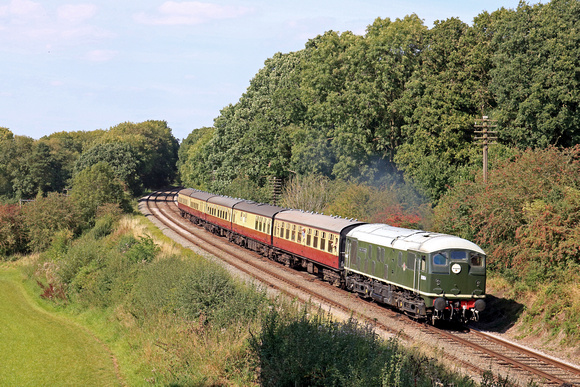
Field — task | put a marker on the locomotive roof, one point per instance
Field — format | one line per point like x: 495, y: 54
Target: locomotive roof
x: 407, y: 239
x: 197, y: 194
x: 320, y: 221
x: 262, y: 209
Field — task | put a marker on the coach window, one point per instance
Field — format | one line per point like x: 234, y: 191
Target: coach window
x: 309, y: 237
x: 323, y: 241
x: 293, y: 232
x: 315, y: 244
x: 288, y: 231
x: 331, y: 243
x: 299, y: 236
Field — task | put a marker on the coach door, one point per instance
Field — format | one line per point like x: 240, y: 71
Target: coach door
x: 419, y: 266
x: 351, y: 253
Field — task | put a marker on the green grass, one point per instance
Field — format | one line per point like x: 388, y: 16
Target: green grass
x: 38, y: 348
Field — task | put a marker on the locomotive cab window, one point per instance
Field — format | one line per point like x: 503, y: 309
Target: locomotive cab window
x: 458, y: 255
x: 476, y: 263
x: 410, y: 261
x: 440, y: 262
x: 475, y: 259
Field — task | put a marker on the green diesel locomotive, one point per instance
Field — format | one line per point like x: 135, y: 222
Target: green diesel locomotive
x: 426, y: 275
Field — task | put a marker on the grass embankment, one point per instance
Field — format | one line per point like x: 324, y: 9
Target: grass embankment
x: 38, y: 348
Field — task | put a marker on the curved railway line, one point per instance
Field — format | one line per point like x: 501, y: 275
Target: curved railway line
x: 473, y: 351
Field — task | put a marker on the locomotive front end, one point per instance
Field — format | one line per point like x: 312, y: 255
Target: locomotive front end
x: 457, y: 284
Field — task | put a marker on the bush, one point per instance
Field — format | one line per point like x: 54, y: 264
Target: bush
x: 196, y: 291
x: 44, y: 217
x: 12, y: 232
x: 316, y: 351
x: 527, y: 216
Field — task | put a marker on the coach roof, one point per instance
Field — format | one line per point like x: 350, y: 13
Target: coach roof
x: 319, y: 221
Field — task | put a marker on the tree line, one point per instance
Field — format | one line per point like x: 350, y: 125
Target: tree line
x: 70, y: 176
x: 400, y: 100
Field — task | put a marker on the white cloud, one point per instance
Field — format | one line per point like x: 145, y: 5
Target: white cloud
x: 24, y: 23
x: 76, y: 13
x: 22, y: 9
x: 100, y: 55
x: 191, y: 13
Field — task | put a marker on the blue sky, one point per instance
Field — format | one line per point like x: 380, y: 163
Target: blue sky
x: 70, y: 65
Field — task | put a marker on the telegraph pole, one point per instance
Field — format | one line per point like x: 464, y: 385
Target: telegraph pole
x: 486, y: 138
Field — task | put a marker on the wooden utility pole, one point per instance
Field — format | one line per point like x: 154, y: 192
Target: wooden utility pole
x: 276, y: 184
x: 486, y: 138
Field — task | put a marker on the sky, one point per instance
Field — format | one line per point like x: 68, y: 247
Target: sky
x: 76, y: 65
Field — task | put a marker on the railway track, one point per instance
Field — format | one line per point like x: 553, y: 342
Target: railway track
x: 472, y: 350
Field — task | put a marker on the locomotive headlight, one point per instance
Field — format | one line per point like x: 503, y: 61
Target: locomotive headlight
x: 479, y: 305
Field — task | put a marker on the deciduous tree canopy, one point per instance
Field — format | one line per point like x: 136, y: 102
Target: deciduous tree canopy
x: 402, y: 99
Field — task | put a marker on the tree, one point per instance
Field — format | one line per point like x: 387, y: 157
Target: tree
x: 95, y: 186
x: 444, y: 95
x: 120, y: 157
x: 154, y: 147
x: 33, y: 168
x: 536, y: 74
x: 192, y: 165
x: 6, y: 139
x: 251, y: 139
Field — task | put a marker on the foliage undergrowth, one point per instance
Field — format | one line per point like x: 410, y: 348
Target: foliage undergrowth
x: 315, y: 350
x: 527, y: 218
x: 396, y: 204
